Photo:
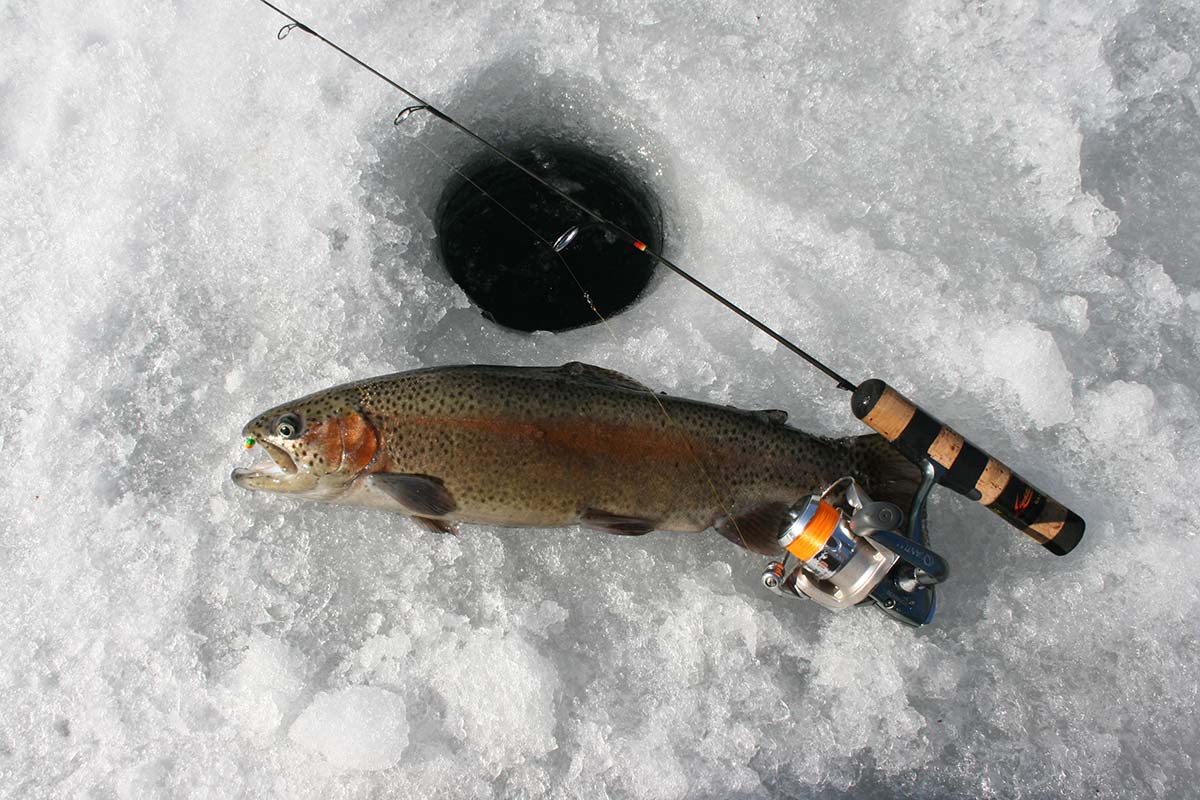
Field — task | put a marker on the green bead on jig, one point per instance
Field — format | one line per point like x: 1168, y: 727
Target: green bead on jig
x: 249, y: 442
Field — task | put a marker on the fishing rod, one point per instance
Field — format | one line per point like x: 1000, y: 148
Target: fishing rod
x: 565, y: 239
x: 849, y: 548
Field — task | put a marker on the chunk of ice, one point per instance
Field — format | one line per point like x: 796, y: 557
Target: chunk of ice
x: 1028, y: 362
x: 358, y: 728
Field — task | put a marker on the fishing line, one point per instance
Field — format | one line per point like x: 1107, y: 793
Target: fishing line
x: 293, y: 24
x: 554, y: 247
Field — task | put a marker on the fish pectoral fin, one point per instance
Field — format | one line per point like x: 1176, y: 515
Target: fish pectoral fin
x: 421, y: 495
x: 436, y: 525
x: 756, y: 529
x: 601, y: 375
x: 615, y: 523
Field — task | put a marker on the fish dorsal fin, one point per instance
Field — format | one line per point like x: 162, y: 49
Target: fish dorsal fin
x: 775, y: 415
x: 601, y: 375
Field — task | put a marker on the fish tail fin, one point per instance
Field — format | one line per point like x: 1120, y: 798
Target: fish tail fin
x: 883, y: 471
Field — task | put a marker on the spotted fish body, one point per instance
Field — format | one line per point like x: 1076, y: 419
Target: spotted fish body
x: 534, y: 446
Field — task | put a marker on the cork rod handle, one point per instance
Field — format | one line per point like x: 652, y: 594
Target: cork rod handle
x: 965, y: 468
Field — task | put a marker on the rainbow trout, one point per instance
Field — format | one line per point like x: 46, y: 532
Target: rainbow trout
x: 540, y: 446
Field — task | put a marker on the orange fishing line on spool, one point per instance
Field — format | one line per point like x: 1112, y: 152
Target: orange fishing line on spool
x: 816, y: 533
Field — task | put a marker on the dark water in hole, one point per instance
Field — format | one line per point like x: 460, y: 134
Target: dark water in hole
x: 514, y: 276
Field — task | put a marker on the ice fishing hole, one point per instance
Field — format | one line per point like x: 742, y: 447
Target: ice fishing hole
x: 509, y: 268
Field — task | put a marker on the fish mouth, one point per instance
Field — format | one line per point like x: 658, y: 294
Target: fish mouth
x: 280, y: 457
x: 282, y: 466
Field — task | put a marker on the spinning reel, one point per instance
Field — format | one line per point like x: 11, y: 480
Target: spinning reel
x: 850, y: 549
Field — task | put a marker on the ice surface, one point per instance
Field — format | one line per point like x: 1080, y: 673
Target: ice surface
x: 359, y: 727
x: 992, y: 205
x: 1018, y: 351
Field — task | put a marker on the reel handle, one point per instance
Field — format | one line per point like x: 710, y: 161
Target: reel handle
x: 965, y: 468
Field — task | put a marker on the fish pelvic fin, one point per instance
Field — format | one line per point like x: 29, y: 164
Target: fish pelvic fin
x: 615, y: 523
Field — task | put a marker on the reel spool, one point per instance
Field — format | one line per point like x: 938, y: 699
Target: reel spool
x: 858, y: 550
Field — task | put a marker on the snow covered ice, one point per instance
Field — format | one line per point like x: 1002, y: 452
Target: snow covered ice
x: 359, y: 727
x: 994, y: 206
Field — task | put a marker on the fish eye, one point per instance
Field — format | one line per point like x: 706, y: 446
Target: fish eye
x: 288, y: 426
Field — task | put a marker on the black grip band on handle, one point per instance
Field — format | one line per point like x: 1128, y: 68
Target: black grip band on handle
x: 966, y: 468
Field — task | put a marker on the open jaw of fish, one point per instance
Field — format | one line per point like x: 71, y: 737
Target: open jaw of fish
x: 280, y: 474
